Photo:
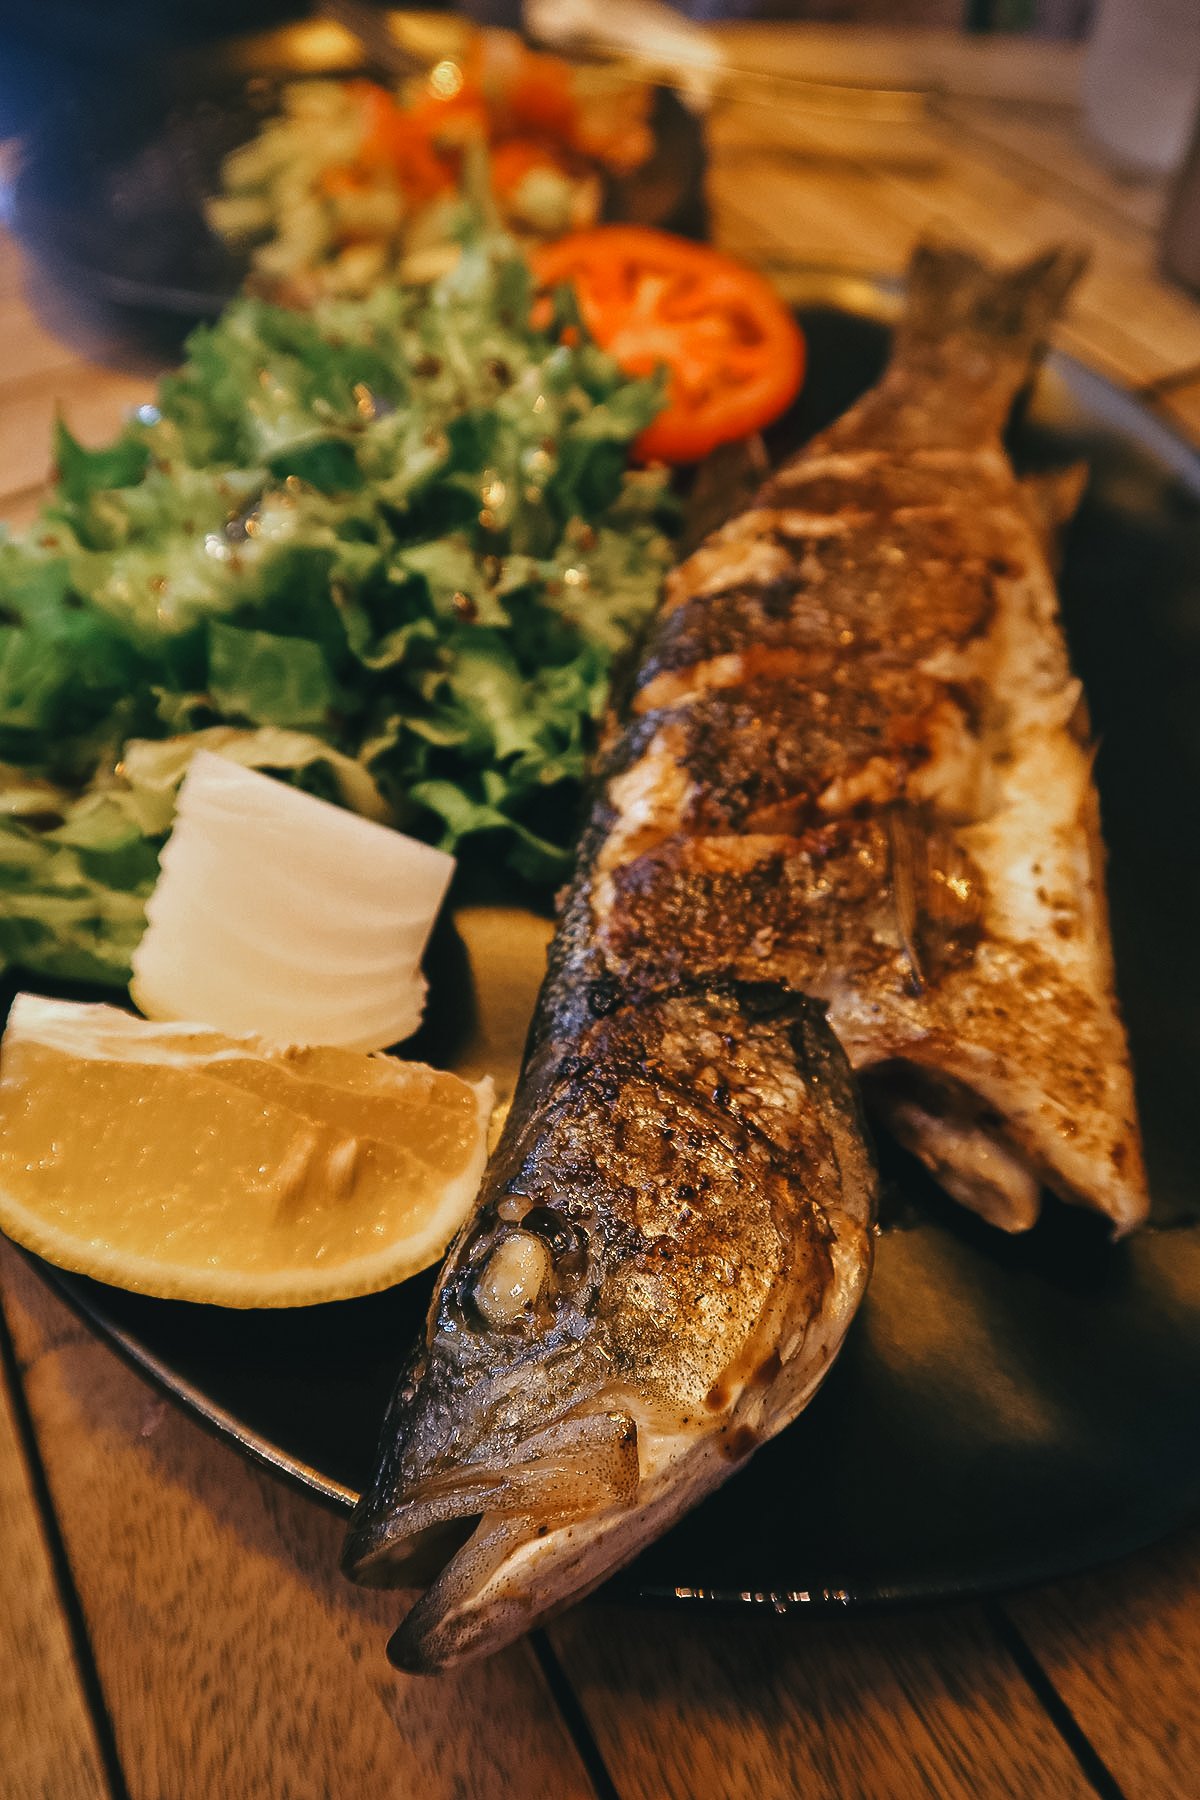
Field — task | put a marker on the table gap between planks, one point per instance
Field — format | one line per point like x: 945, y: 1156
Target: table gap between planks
x: 172, y: 1625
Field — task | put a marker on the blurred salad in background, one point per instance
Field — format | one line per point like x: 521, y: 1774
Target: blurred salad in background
x: 354, y: 183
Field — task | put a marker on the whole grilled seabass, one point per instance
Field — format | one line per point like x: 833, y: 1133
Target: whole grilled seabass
x: 852, y: 774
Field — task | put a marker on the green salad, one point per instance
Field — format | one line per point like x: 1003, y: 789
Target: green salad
x: 387, y: 549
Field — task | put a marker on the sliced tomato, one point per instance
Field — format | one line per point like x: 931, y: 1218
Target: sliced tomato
x: 734, y: 352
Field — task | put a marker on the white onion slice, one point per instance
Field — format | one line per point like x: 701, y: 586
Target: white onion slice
x: 281, y: 915
x: 237, y: 946
x: 252, y: 891
x: 248, y: 804
x: 351, y: 1024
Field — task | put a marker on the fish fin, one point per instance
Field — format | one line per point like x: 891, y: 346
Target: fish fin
x: 965, y: 347
x: 725, y: 485
x: 955, y: 299
x: 934, y: 892
x: 1051, y: 499
x: 906, y: 855
x: 949, y: 1131
x: 993, y: 1131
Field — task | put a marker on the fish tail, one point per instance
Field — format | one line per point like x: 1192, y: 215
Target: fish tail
x: 964, y: 348
x: 956, y: 300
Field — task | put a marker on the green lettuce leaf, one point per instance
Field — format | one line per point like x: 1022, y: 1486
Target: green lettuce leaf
x: 67, y: 913
x: 268, y: 679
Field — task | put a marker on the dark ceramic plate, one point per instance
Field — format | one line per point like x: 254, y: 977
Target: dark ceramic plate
x: 1005, y: 1410
x: 109, y: 197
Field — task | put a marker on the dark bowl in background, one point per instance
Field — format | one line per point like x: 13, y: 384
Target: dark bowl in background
x: 112, y: 179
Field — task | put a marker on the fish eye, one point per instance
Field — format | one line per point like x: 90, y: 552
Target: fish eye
x: 560, y: 1236
x: 512, y: 1279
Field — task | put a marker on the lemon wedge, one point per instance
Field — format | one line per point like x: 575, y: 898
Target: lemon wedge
x: 178, y: 1161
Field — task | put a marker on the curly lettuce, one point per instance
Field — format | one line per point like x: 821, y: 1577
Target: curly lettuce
x: 388, y: 549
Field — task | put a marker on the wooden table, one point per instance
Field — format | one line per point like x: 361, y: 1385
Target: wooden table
x: 172, y: 1626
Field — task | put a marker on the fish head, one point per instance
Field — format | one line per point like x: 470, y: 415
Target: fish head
x: 669, y: 1245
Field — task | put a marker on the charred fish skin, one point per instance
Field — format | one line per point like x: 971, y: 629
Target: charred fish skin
x: 671, y: 1241
x: 861, y: 769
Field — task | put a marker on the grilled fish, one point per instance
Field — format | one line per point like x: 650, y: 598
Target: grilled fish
x: 851, y: 773
x: 860, y: 767
x: 671, y: 1240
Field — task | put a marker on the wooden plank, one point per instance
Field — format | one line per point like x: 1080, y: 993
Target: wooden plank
x: 1053, y: 141
x: 27, y: 347
x: 827, y: 143
x: 1002, y: 67
x: 856, y: 192
x: 1122, y: 1647
x: 19, y: 510
x: 1124, y: 320
x: 48, y: 1749
x: 54, y: 359
x: 12, y: 267
x: 234, y: 1657
x: 806, y: 214
x: 806, y: 1709
x: 1124, y: 316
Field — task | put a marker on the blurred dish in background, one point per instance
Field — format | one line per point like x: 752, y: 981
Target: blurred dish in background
x: 1141, y: 81
x: 111, y: 196
x: 356, y: 182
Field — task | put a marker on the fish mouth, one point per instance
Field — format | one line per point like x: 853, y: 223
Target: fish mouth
x: 540, y: 1520
x: 458, y: 1527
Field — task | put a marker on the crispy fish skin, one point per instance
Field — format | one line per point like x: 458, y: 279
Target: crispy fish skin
x: 862, y: 769
x: 680, y: 1212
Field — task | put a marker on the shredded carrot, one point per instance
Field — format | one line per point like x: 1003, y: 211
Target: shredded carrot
x: 343, y: 180
x: 515, y: 158
x: 396, y: 138
x: 542, y: 97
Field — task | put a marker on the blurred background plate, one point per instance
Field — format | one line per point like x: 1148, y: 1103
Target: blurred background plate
x: 112, y: 178
x: 1005, y: 1410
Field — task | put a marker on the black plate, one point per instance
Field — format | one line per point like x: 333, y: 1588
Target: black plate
x: 110, y: 192
x: 1005, y: 1410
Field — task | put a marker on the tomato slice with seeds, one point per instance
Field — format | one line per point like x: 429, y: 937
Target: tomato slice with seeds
x: 734, y: 352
